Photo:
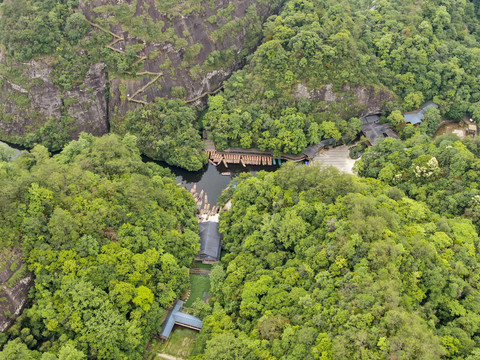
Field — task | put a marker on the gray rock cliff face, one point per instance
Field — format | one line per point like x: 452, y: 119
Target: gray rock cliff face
x: 365, y: 100
x: 90, y: 106
x: 29, y: 105
x: 15, y: 283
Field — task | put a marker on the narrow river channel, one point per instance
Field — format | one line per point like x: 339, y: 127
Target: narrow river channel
x: 213, y: 179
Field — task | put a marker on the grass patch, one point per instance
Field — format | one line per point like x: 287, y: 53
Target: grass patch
x: 200, y: 265
x: 180, y: 342
x: 156, y: 347
x: 199, y: 284
x: 14, y: 266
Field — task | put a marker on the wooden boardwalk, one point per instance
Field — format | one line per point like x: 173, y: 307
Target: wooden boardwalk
x: 218, y: 157
x: 245, y: 157
x: 111, y: 46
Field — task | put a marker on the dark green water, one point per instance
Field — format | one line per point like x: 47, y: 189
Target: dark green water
x: 210, y: 178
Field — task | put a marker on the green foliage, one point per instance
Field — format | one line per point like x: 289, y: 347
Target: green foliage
x: 329, y: 266
x: 396, y: 120
x: 108, y: 239
x: 31, y: 28
x: 178, y: 92
x: 431, y: 121
x: 54, y: 134
x: 167, y: 130
x: 443, y: 173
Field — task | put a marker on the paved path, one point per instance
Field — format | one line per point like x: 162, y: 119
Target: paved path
x: 337, y: 157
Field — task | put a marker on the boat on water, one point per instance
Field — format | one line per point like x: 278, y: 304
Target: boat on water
x: 226, y: 173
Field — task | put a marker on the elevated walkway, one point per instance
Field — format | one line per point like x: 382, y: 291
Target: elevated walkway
x: 176, y: 317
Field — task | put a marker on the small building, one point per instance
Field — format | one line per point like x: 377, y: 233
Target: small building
x: 471, y: 127
x: 176, y: 317
x: 374, y: 130
x: 416, y: 117
x: 210, y: 242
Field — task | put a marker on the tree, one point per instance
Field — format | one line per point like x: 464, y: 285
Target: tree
x: 167, y: 130
x: 328, y: 130
x: 144, y: 298
x: 396, y: 120
x: 69, y: 352
x: 414, y: 100
x: 225, y: 347
x: 76, y: 27
x: 431, y: 121
x: 16, y: 350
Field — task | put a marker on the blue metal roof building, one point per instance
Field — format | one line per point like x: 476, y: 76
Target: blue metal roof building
x: 176, y: 317
x: 416, y: 117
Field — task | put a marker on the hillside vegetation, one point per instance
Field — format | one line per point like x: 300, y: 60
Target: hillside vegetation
x: 329, y: 266
x: 108, y: 239
x: 70, y: 66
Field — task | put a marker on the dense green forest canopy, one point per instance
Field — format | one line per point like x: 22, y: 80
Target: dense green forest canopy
x: 168, y: 131
x: 444, y: 173
x: 108, y: 239
x: 329, y: 266
x: 318, y: 265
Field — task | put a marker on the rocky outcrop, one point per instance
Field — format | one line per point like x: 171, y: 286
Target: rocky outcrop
x: 359, y: 100
x: 30, y: 99
x: 15, y: 283
x: 90, y: 106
